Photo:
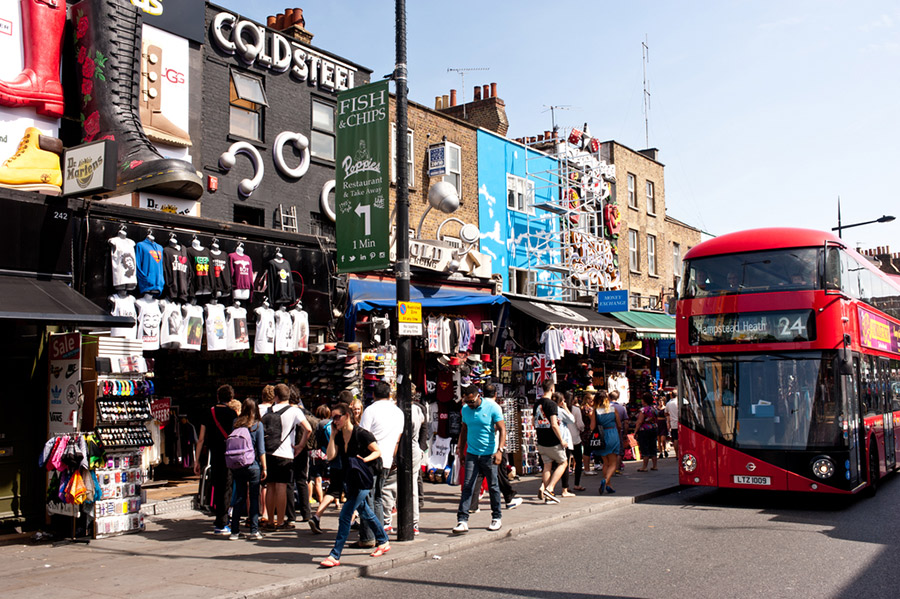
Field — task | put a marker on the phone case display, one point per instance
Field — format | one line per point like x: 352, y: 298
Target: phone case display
x: 531, y: 462
x: 124, y: 436
x: 118, y: 507
x: 510, y: 407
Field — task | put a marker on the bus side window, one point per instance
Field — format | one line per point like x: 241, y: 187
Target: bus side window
x: 833, y: 269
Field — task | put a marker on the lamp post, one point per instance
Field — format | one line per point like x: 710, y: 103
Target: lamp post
x: 840, y: 227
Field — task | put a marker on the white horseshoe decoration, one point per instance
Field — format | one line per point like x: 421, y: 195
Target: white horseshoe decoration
x: 246, y: 51
x: 323, y: 200
x: 299, y: 141
x: 227, y: 161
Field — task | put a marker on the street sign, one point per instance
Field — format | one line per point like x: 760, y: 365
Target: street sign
x: 612, y: 301
x: 408, y: 329
x: 361, y: 183
x: 410, y: 312
x: 437, y: 160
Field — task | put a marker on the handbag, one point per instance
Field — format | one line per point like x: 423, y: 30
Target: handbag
x: 597, y: 441
x: 359, y: 475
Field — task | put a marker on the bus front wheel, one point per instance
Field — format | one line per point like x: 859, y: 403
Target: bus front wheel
x: 873, y: 471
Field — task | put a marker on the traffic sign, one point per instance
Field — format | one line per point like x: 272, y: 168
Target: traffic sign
x: 409, y: 312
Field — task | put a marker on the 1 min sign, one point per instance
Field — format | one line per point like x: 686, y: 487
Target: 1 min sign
x: 361, y: 183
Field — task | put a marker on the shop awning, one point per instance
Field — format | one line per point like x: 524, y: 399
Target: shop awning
x: 648, y: 325
x: 559, y: 314
x: 51, y: 301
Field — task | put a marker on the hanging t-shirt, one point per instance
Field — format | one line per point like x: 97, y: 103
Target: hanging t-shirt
x: 472, y: 332
x: 280, y: 282
x: 445, y: 336
x: 463, y: 328
x: 149, y: 318
x: 433, y: 333
x: 284, y: 331
x: 199, y: 263
x: 301, y: 330
x: 236, y: 336
x: 123, y: 305
x: 177, y: 273
x: 241, y: 273
x: 193, y: 325
x: 149, y: 267
x: 568, y: 339
x: 265, y: 331
x: 171, y: 333
x: 124, y: 263
x: 219, y: 273
x: 552, y: 344
x: 215, y: 327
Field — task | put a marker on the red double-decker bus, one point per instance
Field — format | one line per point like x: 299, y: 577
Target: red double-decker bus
x: 788, y: 346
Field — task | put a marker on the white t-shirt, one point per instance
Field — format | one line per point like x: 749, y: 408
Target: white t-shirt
x: 301, y: 330
x: 284, y: 329
x: 149, y: 317
x: 236, y: 336
x: 193, y: 327
x: 385, y: 421
x: 215, y: 327
x: 124, y: 263
x: 171, y: 333
x: 552, y: 340
x: 672, y: 413
x: 265, y: 331
x: 124, y: 306
x: 290, y: 420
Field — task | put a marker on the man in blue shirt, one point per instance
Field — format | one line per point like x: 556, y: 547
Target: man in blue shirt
x: 479, y: 421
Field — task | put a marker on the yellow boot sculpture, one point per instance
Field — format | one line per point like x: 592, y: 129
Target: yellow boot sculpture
x: 35, y: 165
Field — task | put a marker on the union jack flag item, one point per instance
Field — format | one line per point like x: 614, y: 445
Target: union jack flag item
x: 544, y: 368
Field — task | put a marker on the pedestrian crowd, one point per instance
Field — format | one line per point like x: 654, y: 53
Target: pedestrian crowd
x: 278, y: 460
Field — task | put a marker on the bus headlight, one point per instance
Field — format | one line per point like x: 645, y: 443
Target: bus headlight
x: 688, y: 462
x: 823, y: 467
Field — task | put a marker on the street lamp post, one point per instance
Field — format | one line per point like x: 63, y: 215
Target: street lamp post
x: 840, y: 227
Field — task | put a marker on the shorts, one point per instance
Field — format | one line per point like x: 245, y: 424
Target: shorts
x: 673, y: 434
x: 647, y: 443
x: 281, y: 470
x: 318, y: 468
x: 557, y: 454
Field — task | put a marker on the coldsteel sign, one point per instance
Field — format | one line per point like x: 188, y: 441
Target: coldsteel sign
x: 257, y: 44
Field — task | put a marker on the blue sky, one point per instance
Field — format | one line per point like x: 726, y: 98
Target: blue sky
x: 764, y: 111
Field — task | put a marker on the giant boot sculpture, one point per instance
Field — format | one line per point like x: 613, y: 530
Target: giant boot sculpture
x: 43, y: 23
x: 156, y: 125
x: 108, y: 43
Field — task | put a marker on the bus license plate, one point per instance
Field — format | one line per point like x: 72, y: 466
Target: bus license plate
x: 752, y: 480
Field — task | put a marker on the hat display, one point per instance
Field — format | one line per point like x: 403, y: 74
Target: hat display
x: 486, y: 358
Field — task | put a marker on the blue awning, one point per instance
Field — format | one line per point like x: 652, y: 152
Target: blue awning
x: 367, y: 294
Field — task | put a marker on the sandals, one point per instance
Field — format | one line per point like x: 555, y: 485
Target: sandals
x: 653, y: 469
x: 567, y: 494
x: 329, y: 562
x: 578, y: 488
x: 641, y: 469
x: 381, y: 550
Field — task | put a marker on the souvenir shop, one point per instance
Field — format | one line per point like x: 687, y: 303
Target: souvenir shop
x: 650, y: 349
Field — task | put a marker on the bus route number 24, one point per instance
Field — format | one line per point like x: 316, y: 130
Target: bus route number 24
x: 789, y: 330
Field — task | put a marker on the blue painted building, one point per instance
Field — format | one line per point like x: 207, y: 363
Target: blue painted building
x: 521, y: 240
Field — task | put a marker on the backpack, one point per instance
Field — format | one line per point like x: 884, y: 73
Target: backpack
x: 272, y: 423
x: 323, y: 434
x: 239, y: 451
x: 312, y: 441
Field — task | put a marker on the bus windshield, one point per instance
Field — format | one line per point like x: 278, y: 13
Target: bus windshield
x: 770, y: 401
x: 753, y: 272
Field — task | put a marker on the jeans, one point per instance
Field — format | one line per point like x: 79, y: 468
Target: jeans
x: 220, y: 476
x: 576, y: 452
x: 245, y: 479
x: 357, y: 501
x: 502, y: 481
x: 298, y: 503
x: 484, y: 465
x: 389, y: 496
x: 375, y: 501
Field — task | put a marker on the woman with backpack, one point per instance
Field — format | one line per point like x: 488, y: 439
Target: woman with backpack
x: 647, y: 432
x: 359, y: 454
x: 245, y: 455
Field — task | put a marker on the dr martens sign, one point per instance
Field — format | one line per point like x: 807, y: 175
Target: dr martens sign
x: 256, y: 44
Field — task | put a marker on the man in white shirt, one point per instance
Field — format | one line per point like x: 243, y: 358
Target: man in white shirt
x: 672, y: 418
x: 385, y: 421
x: 281, y: 448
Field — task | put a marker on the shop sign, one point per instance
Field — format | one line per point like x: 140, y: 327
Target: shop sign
x: 441, y: 256
x: 64, y: 387
x: 591, y: 259
x: 184, y: 18
x: 878, y: 332
x: 161, y: 409
x: 90, y: 168
x: 152, y: 201
x: 632, y: 345
x: 258, y: 45
x: 362, y: 179
x: 437, y: 160
x: 612, y: 301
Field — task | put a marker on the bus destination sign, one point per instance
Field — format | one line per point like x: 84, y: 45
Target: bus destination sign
x: 878, y: 332
x: 783, y: 326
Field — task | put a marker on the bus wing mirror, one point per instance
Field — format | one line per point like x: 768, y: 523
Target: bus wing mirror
x: 845, y: 367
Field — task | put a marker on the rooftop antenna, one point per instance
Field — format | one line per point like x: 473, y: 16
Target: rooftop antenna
x: 462, y: 73
x: 553, y: 110
x: 645, y: 51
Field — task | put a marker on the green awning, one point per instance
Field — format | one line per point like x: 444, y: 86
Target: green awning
x: 648, y: 325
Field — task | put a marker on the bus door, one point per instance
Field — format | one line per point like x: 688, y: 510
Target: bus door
x: 887, y: 413
x: 851, y: 425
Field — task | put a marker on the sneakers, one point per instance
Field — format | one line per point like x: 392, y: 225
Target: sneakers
x: 224, y: 531
x: 388, y: 528
x: 314, y: 525
x: 461, y: 528
x: 474, y: 510
x: 255, y: 536
x: 495, y: 524
x: 550, y: 497
x: 415, y: 529
x: 514, y: 503
x: 234, y: 536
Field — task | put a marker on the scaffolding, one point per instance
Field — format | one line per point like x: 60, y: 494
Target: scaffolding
x: 571, y: 237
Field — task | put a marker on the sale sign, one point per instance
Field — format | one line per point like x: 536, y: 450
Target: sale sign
x: 64, y: 388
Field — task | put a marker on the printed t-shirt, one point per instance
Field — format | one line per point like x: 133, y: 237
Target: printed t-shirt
x: 301, y: 330
x: 236, y: 336
x: 199, y: 263
x: 265, y: 331
x: 177, y: 273
x: 480, y: 422
x: 193, y: 326
x: 172, y: 331
x: 149, y: 318
x: 241, y: 271
x: 284, y: 329
x: 123, y: 305
x: 124, y: 263
x: 150, y: 278
x: 219, y: 273
x: 544, y: 408
x: 215, y: 327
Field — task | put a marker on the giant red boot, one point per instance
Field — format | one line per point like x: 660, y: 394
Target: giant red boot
x: 43, y: 23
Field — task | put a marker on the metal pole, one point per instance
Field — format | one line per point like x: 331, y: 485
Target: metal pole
x: 401, y: 271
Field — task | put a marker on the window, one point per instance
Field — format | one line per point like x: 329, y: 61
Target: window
x: 409, y: 156
x: 249, y: 216
x: 634, y: 254
x: 522, y: 282
x: 651, y: 255
x: 635, y: 300
x: 651, y: 200
x: 632, y: 196
x: 247, y: 99
x: 454, y: 168
x: 676, y: 265
x: 519, y: 194
x: 321, y: 140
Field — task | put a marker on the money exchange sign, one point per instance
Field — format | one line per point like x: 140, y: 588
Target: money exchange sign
x: 362, y: 180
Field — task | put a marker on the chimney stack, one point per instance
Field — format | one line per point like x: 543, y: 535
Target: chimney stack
x: 493, y: 90
x: 452, y: 97
x: 437, y: 103
x: 477, y: 93
x: 445, y: 100
x: 486, y: 92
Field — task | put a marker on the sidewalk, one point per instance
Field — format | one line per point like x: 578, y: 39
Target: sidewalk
x: 178, y: 556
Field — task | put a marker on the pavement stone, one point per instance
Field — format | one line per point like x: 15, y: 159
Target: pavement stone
x: 178, y: 555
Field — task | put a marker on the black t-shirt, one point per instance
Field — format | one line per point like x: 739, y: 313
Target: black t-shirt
x: 544, y: 408
x: 214, y: 439
x: 281, y: 283
x: 177, y: 269
x: 357, y: 446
